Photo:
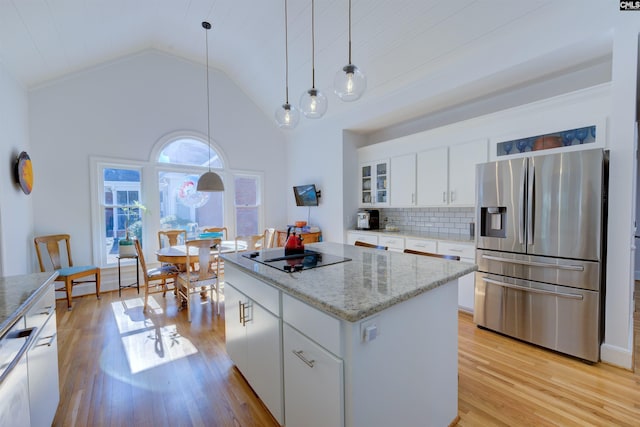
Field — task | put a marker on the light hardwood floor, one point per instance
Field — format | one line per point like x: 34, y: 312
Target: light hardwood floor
x: 119, y: 367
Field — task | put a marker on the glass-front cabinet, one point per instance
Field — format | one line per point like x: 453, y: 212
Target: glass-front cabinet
x: 374, y: 183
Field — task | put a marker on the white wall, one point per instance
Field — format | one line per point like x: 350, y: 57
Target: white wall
x: 15, y: 207
x: 120, y: 110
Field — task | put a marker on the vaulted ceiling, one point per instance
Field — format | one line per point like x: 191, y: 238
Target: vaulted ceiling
x: 417, y: 54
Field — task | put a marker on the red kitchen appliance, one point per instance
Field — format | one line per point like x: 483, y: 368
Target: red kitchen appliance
x: 294, y: 243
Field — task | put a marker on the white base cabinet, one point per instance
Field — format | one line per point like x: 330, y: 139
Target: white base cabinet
x: 313, y: 380
x: 42, y: 359
x: 253, y: 338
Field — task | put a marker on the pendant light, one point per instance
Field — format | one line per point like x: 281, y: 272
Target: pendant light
x: 313, y: 103
x: 209, y: 181
x: 350, y: 82
x: 287, y: 116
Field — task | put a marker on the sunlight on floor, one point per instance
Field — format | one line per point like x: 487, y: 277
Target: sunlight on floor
x: 145, y: 344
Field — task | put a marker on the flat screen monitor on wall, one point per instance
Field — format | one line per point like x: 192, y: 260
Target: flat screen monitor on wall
x: 306, y: 195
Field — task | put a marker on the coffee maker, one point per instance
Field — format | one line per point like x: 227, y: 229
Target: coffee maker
x: 368, y: 219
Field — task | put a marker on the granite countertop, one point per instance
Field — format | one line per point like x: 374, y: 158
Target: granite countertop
x: 372, y: 281
x: 448, y: 237
x: 17, y: 293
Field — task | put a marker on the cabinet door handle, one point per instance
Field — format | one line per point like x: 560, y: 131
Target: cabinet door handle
x: 413, y: 198
x: 300, y: 354
x: 453, y: 195
x: 243, y: 315
x: 444, y: 197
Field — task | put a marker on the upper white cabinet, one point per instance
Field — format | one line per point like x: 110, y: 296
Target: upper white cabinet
x: 446, y: 176
x: 403, y: 182
x: 463, y: 159
x: 432, y: 177
x: 374, y: 182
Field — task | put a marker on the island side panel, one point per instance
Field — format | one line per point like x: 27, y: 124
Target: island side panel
x: 408, y: 374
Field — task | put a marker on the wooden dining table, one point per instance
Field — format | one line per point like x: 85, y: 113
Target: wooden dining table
x: 178, y: 254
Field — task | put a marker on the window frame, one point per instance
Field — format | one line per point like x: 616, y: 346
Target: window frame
x: 98, y: 220
x: 260, y: 186
x: 150, y: 195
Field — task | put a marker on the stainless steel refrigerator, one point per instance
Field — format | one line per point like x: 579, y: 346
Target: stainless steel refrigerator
x: 541, y: 235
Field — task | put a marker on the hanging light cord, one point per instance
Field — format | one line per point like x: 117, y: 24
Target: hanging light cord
x: 207, y: 27
x: 286, y: 53
x: 313, y: 47
x: 349, y: 32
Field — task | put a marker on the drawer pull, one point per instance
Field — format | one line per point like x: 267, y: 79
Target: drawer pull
x: 52, y: 338
x: 300, y: 355
x: 47, y: 310
x: 455, y: 250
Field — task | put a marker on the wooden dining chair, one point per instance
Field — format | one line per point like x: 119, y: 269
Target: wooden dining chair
x: 171, y: 238
x: 165, y: 274
x: 203, y: 278
x: 251, y: 242
x: 222, y: 230
x: 70, y: 274
x: 269, y: 235
x: 451, y: 257
x: 369, y: 245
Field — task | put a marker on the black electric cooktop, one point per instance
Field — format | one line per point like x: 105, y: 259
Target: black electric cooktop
x: 295, y: 262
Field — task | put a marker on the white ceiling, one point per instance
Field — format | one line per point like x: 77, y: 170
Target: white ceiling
x: 400, y: 44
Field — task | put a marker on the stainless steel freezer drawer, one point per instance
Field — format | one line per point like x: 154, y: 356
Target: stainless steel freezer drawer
x: 557, y: 317
x: 558, y: 271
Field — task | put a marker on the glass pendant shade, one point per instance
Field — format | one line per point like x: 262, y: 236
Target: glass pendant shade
x: 287, y: 116
x: 313, y: 104
x: 349, y: 83
x: 210, y: 181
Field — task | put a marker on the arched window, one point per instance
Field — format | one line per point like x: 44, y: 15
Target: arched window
x: 165, y: 185
x: 180, y: 163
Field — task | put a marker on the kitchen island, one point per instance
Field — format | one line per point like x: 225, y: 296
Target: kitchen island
x: 371, y: 341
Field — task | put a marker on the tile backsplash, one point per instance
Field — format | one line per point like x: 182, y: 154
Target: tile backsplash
x: 429, y: 220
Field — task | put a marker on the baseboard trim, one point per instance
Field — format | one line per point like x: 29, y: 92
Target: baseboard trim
x: 617, y: 356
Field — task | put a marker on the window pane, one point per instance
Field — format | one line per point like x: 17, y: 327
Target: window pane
x: 247, y: 220
x: 246, y: 191
x: 189, y: 151
x: 182, y: 207
x: 247, y: 201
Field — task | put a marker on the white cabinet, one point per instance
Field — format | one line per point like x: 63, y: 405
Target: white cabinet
x: 253, y: 337
x: 422, y: 245
x: 374, y: 180
x: 393, y: 243
x: 432, y: 177
x: 466, y: 284
x: 403, y: 181
x: 446, y: 176
x: 42, y: 360
x: 313, y: 380
x: 353, y: 236
x: 463, y: 159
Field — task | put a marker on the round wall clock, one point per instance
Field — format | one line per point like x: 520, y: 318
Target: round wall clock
x: 24, y: 172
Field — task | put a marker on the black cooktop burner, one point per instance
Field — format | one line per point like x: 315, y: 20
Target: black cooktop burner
x: 296, y: 262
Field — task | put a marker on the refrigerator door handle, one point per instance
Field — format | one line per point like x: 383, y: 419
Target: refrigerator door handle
x: 523, y: 184
x: 534, y: 264
x: 530, y: 202
x: 533, y: 290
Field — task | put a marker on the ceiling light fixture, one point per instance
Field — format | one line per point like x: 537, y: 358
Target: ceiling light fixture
x: 313, y: 103
x: 350, y: 82
x: 209, y: 181
x: 287, y: 116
